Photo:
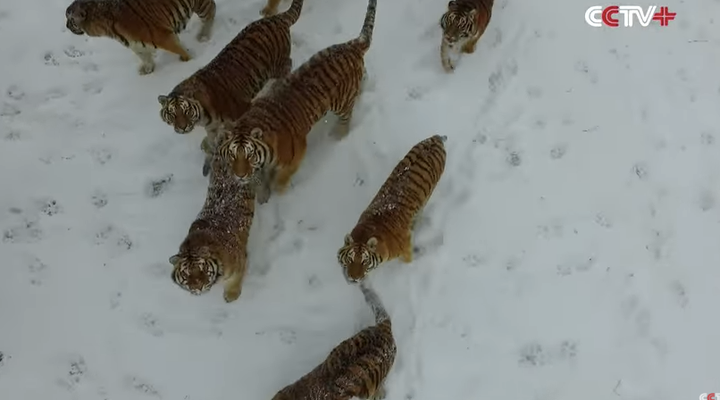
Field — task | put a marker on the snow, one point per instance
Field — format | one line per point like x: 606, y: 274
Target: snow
x: 569, y: 251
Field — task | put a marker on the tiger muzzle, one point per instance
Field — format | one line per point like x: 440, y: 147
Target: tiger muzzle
x: 72, y: 28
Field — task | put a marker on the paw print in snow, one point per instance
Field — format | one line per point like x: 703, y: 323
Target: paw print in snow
x: 27, y: 232
x: 76, y: 372
x: 14, y: 92
x: 37, y: 270
x: 99, y: 199
x: 142, y: 386
x: 50, y: 207
x: 159, y: 186
x: 50, y: 59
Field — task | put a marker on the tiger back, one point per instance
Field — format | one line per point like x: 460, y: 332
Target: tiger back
x: 141, y: 25
x: 223, y: 90
x: 384, y: 230
x: 270, y: 140
x: 462, y: 25
x: 357, y: 367
x: 216, y: 243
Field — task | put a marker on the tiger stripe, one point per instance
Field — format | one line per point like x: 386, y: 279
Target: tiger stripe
x: 383, y: 231
x: 141, y: 25
x: 464, y: 22
x: 223, y: 90
x: 357, y: 367
x: 273, y: 132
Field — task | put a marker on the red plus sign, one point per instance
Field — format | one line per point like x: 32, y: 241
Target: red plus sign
x: 664, y: 16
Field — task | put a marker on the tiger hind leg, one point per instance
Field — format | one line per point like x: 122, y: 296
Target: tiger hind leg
x: 171, y: 43
x: 206, y: 13
x: 270, y: 9
x: 345, y: 114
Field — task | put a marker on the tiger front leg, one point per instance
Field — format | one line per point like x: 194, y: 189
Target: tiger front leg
x: 469, y: 46
x: 146, y: 56
x: 263, y: 188
x: 283, y: 177
x: 407, y: 250
x: 233, y: 284
x: 447, y: 63
x: 379, y: 394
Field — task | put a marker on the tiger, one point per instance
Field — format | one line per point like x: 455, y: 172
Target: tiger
x: 384, y: 230
x: 357, y: 367
x: 142, y: 25
x: 216, y: 243
x: 462, y: 25
x: 270, y: 140
x: 223, y: 89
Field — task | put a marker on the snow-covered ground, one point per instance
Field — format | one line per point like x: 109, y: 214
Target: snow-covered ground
x: 570, y: 251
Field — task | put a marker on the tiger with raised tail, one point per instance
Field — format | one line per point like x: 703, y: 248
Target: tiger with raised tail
x: 356, y: 368
x: 462, y: 25
x: 141, y: 25
x: 270, y: 140
x: 216, y: 243
x: 223, y: 90
x: 384, y: 230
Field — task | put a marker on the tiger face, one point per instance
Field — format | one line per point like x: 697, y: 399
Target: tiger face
x: 180, y: 112
x: 75, y: 16
x: 195, y: 273
x: 458, y: 25
x: 358, y: 259
x: 247, y: 154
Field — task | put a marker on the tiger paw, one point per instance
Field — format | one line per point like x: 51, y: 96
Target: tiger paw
x: 202, y: 37
x: 206, y: 167
x: 185, y: 57
x: 448, y: 66
x: 145, y: 69
x: 231, y: 295
x: 263, y: 194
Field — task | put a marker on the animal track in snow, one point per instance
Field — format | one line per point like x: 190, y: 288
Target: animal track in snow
x: 101, y: 156
x: 287, y: 336
x: 149, y: 323
x: 536, y: 355
x: 117, y: 240
x: 27, y: 231
x: 75, y: 373
x: 142, y: 386
x: 37, y: 271
x: 99, y: 199
x: 159, y: 186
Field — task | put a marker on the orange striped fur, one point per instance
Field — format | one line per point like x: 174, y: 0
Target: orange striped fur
x: 269, y: 142
x: 384, y: 230
x: 462, y: 25
x: 223, y: 90
x: 216, y: 243
x: 356, y: 368
x: 141, y: 25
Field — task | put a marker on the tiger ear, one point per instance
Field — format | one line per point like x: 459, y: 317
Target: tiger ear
x: 256, y: 133
x: 452, y: 3
x: 174, y: 259
x: 372, y: 243
x: 348, y: 239
x: 162, y: 99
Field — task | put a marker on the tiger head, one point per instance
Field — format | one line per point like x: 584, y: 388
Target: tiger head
x: 357, y: 259
x: 77, y: 14
x: 182, y: 113
x: 458, y: 24
x: 195, y: 272
x: 246, y: 153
